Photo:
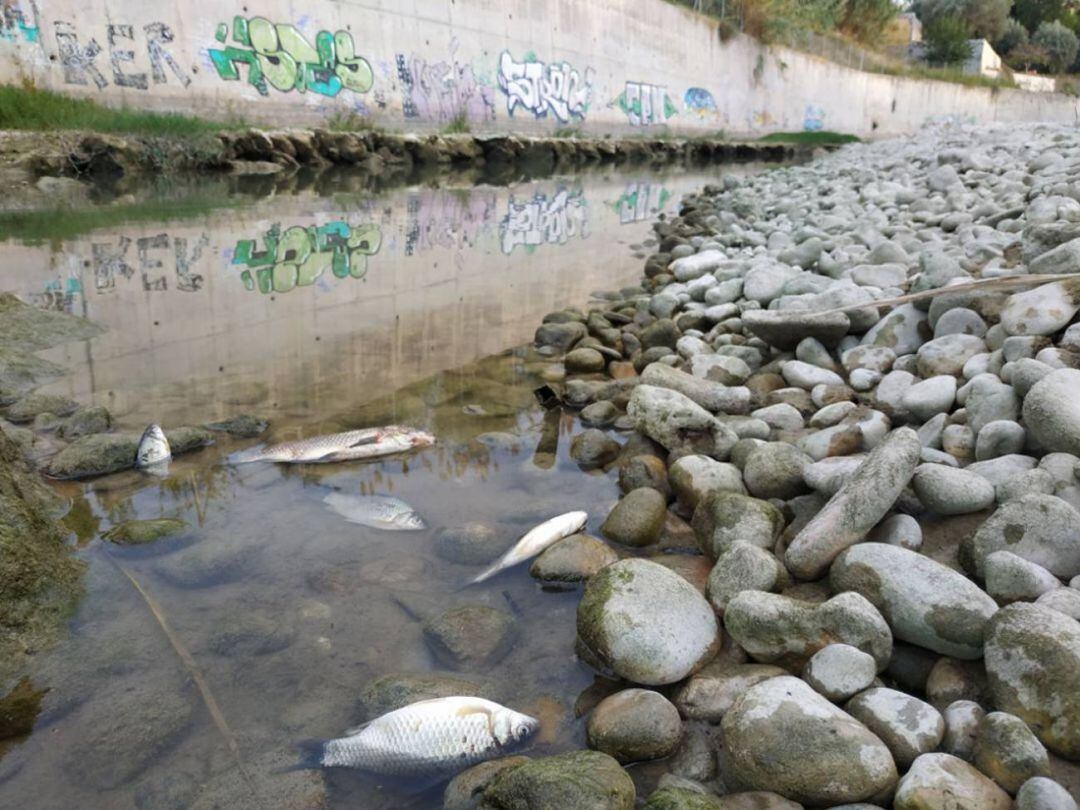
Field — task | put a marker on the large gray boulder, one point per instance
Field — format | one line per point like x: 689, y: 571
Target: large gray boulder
x: 647, y: 623
x: 1052, y: 411
x: 1042, y: 529
x: 776, y: 629
x: 1032, y: 661
x: 924, y: 602
x: 783, y: 737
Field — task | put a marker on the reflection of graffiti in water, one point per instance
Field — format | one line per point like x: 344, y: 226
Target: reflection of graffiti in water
x: 298, y: 256
x: 278, y: 54
x: 110, y: 261
x: 18, y: 21
x: 446, y: 219
x: 544, y: 221
x: 641, y: 201
x: 443, y: 91
x: 58, y: 296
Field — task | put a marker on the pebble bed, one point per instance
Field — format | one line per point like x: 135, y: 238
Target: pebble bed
x: 885, y: 491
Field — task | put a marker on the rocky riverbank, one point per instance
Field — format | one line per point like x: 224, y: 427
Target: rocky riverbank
x: 849, y: 534
x: 35, y: 165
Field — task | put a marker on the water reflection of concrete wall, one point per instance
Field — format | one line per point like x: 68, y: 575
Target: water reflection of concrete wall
x: 294, y: 301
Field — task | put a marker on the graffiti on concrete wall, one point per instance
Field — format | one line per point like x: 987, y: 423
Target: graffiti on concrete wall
x: 443, y: 91
x: 813, y: 118
x: 646, y: 104
x: 700, y: 102
x: 542, y: 88
x: 81, y: 64
x: 153, y: 254
x: 543, y: 220
x: 19, y: 20
x: 641, y: 201
x: 298, y: 256
x: 277, y: 55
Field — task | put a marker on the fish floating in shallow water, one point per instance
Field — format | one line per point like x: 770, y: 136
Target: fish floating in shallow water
x: 534, y: 541
x: 154, y: 452
x: 348, y: 446
x: 431, y: 737
x: 376, y: 511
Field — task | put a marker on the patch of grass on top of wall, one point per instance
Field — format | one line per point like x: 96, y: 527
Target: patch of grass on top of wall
x: 819, y: 138
x: 30, y: 108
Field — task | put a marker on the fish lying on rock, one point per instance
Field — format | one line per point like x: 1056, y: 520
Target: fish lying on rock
x: 430, y: 737
x: 534, y: 541
x: 154, y: 452
x: 376, y: 511
x: 351, y: 445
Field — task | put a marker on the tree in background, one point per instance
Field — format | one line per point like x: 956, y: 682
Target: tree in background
x: 1013, y: 36
x: 1059, y: 43
x: 1032, y: 13
x: 982, y: 18
x: 1027, y: 57
x: 946, y: 41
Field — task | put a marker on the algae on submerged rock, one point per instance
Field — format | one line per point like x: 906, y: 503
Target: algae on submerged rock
x: 39, y: 580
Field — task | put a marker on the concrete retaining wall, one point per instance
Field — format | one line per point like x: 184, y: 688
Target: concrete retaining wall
x: 595, y: 66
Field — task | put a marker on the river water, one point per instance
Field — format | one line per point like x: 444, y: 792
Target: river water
x: 319, y: 310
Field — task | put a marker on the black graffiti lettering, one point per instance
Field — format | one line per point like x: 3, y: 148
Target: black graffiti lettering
x: 146, y: 263
x: 185, y: 279
x: 78, y: 60
x: 109, y: 262
x: 117, y: 56
x: 157, y: 36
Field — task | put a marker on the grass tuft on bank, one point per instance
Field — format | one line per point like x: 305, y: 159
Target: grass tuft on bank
x: 818, y: 138
x: 28, y: 108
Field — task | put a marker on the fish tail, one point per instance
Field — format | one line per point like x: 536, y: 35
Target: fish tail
x: 486, y: 574
x: 311, y: 756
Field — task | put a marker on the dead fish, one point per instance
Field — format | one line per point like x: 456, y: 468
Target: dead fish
x: 440, y: 736
x: 376, y: 511
x: 351, y: 445
x: 534, y: 541
x: 154, y: 451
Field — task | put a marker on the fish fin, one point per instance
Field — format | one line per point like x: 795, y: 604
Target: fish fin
x: 349, y: 732
x: 365, y: 440
x: 311, y: 755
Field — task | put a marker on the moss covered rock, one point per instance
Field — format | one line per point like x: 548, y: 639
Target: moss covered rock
x: 584, y: 780
x: 140, y: 532
x: 39, y: 580
x: 104, y: 453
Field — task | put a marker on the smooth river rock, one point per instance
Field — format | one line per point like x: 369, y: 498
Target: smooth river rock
x: 1042, y: 529
x: 1032, y: 664
x: 859, y: 505
x: 783, y: 737
x: 924, y: 602
x: 1052, y: 411
x: 945, y: 782
x: 647, y: 623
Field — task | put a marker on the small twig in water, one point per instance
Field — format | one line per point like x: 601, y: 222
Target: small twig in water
x: 193, y: 669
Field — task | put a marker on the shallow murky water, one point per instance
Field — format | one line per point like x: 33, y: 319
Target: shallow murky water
x: 317, y: 312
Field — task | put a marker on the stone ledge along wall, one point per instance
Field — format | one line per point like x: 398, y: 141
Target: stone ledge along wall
x: 523, y: 66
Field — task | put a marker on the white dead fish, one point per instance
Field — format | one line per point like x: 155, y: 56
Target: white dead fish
x: 431, y: 737
x: 348, y: 446
x: 376, y: 511
x: 154, y: 451
x: 534, y: 541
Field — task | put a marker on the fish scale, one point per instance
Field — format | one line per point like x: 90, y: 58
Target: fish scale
x: 409, y: 746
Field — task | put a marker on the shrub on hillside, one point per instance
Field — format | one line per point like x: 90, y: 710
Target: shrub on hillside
x: 1027, y: 57
x: 946, y: 41
x: 1014, y: 36
x: 1059, y: 43
x: 866, y: 20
